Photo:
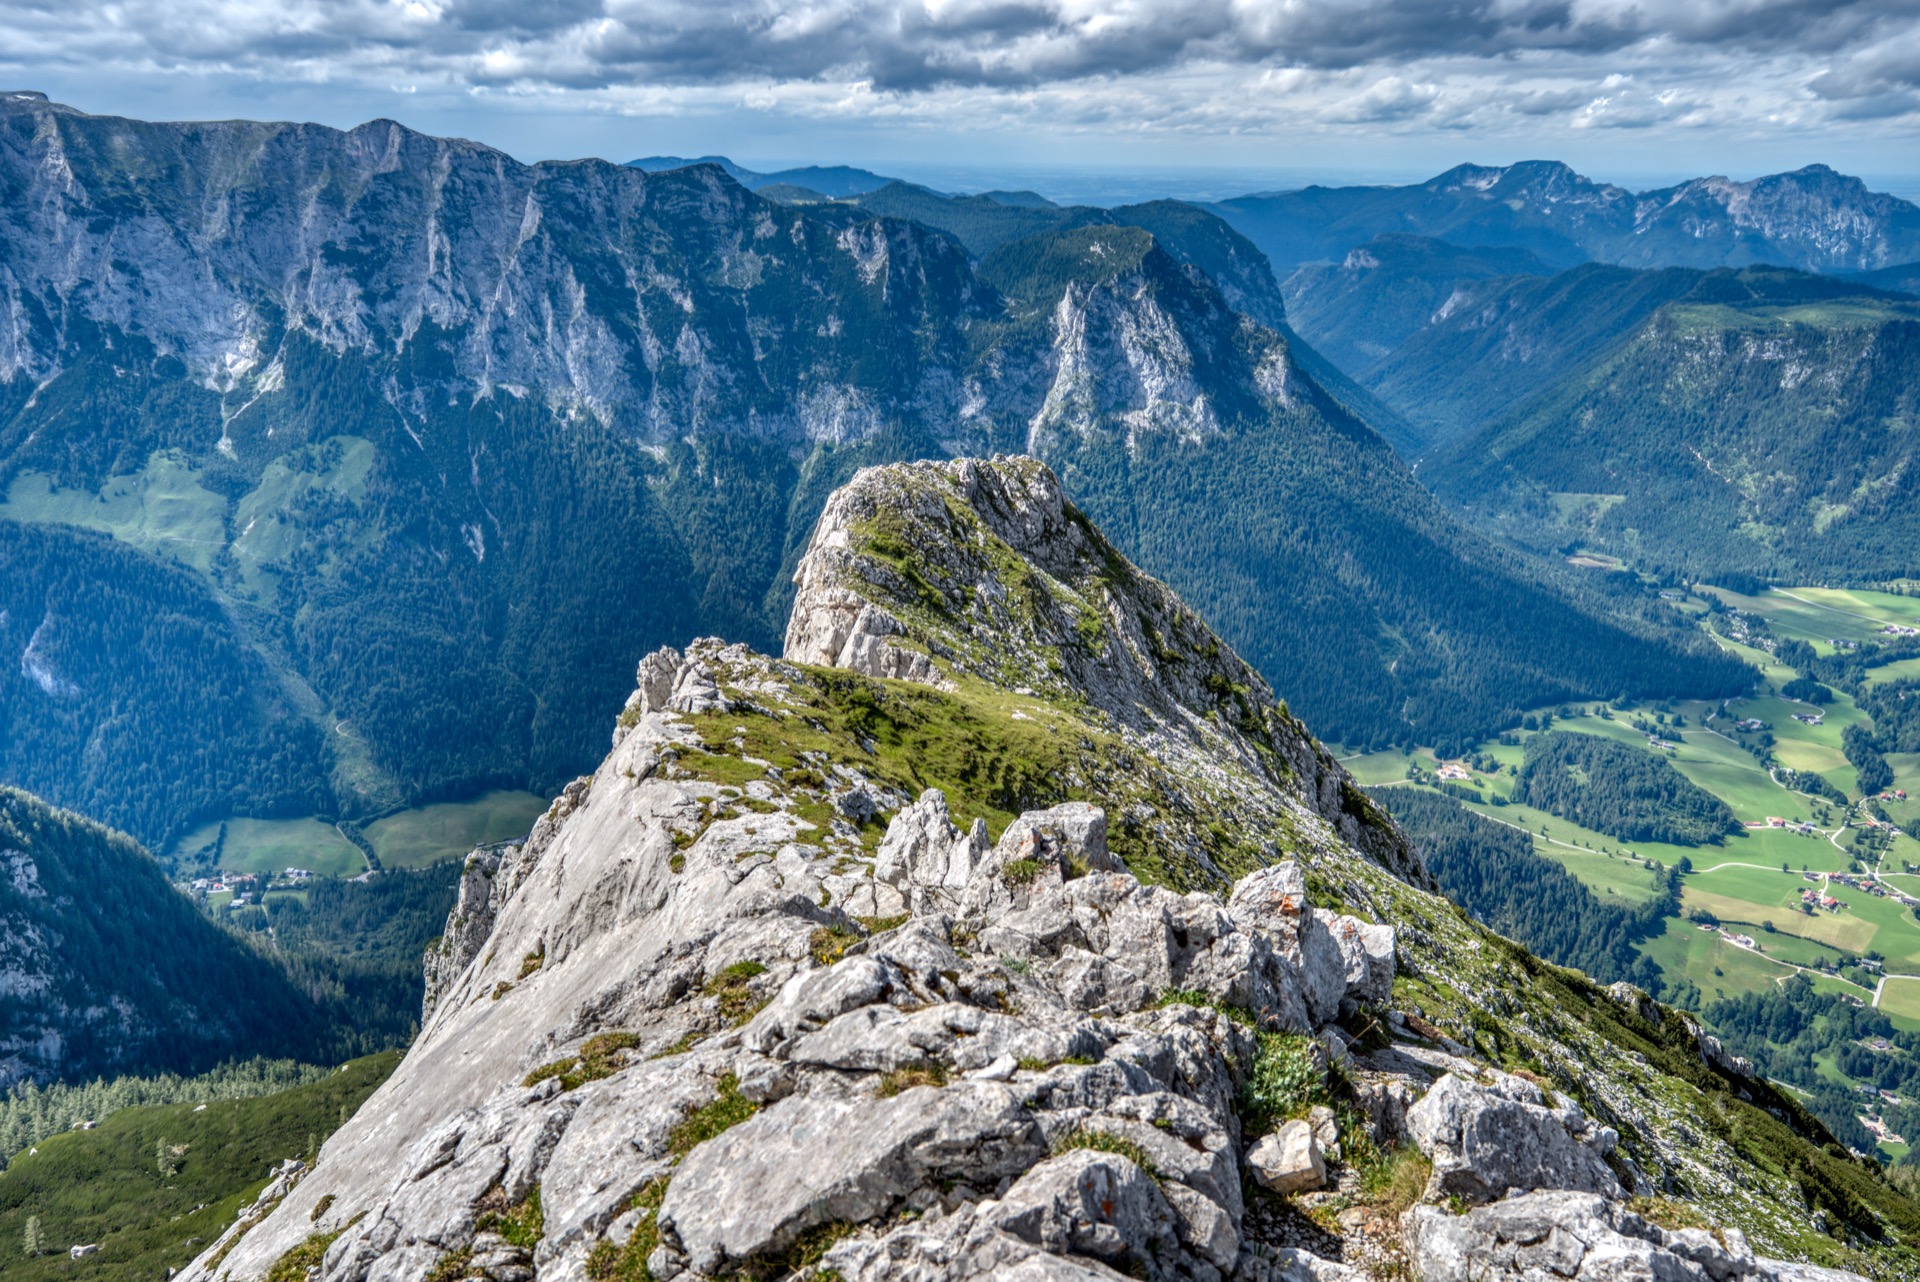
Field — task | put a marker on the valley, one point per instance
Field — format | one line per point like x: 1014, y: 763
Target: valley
x: 1740, y: 922
x: 336, y: 513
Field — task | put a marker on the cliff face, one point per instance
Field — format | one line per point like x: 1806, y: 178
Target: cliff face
x: 865, y: 963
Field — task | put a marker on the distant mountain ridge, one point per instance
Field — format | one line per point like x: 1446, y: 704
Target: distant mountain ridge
x: 446, y: 441
x: 831, y: 181
x: 1813, y: 218
x: 105, y: 968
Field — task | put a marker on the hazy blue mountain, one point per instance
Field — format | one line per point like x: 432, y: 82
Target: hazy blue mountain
x: 1813, y: 218
x: 1357, y: 311
x: 444, y: 442
x: 831, y: 181
x: 1498, y: 342
x: 1903, y: 278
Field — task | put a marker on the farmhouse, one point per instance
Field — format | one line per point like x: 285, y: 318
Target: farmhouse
x: 1453, y: 770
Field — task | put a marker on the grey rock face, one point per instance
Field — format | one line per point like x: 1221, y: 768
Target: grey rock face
x: 1096, y: 637
x: 1289, y: 1160
x: 926, y: 856
x: 1581, y: 1236
x: 468, y: 926
x: 1485, y: 1140
x: 677, y: 1021
x: 806, y: 1161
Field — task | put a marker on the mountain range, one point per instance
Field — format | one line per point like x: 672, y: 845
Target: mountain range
x: 1755, y: 423
x: 1813, y: 218
x: 431, y: 443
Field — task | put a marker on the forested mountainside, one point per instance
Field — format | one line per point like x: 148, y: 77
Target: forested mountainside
x: 871, y: 962
x: 1758, y: 424
x: 1357, y: 311
x: 1812, y: 218
x: 448, y: 440
x: 105, y: 968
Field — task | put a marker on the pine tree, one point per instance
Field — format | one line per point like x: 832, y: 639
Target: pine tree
x: 31, y: 1243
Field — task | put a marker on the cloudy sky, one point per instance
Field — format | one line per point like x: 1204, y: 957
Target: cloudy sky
x: 1624, y: 89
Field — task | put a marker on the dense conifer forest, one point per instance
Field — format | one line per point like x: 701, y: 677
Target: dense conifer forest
x: 1625, y: 792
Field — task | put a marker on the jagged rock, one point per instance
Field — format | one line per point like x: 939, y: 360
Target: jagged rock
x: 926, y: 855
x: 1485, y: 1140
x: 1289, y: 1160
x: 1274, y: 902
x: 1326, y: 1131
x: 468, y: 926
x: 807, y: 1161
x: 1367, y: 950
x: 1584, y: 1237
x: 1087, y: 1203
x: 672, y: 965
x: 1075, y: 833
x: 836, y: 628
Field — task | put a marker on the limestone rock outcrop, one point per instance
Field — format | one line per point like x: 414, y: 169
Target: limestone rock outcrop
x: 1486, y: 1139
x: 763, y: 996
x: 1585, y: 1237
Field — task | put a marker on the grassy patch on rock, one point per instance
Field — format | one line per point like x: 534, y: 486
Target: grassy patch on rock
x: 724, y: 1111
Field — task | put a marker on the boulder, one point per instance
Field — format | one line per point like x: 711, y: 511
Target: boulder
x: 1367, y: 951
x: 1485, y: 1140
x: 1075, y: 833
x: 1585, y: 1238
x: 810, y: 1160
x: 1289, y: 1160
x: 1272, y: 902
x: 1087, y: 1203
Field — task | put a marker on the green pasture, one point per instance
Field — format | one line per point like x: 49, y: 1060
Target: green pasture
x: 274, y: 845
x: 1886, y: 674
x: 1900, y: 998
x: 1820, y: 615
x: 429, y: 834
x: 1715, y: 966
x: 161, y: 508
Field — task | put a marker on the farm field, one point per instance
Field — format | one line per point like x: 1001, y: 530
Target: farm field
x: 1716, y: 967
x: 1741, y: 881
x: 428, y: 834
x: 410, y: 839
x: 1900, y: 999
x: 274, y: 845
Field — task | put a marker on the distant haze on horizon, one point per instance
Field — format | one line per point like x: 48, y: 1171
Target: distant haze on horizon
x: 1088, y: 93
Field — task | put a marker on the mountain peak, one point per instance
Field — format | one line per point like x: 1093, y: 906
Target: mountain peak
x: 981, y: 570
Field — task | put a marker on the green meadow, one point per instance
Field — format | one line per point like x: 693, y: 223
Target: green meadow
x: 428, y: 834
x: 274, y: 845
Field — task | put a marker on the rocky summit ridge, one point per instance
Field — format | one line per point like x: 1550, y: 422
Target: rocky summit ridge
x: 1007, y: 928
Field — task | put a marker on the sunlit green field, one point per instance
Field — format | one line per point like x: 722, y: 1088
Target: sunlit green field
x: 1715, y: 966
x: 1901, y: 998
x: 429, y: 834
x: 411, y: 839
x: 274, y: 845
